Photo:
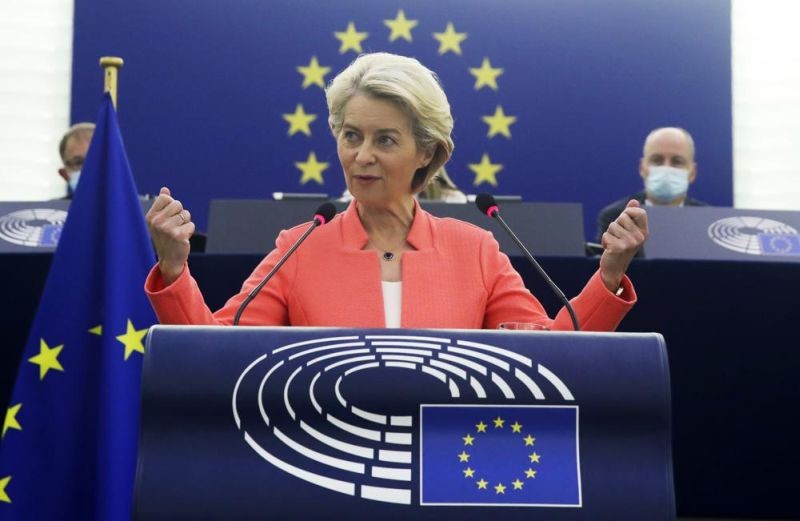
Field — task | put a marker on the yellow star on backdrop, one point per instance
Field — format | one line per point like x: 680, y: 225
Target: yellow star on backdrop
x: 132, y: 339
x: 530, y: 473
x: 311, y: 168
x: 463, y: 457
x: 534, y: 457
x: 498, y: 422
x: 400, y: 26
x: 468, y: 439
x: 299, y: 121
x: 482, y: 484
x: 313, y: 73
x: 485, y: 172
x: 481, y: 427
x: 517, y: 484
x: 499, y: 123
x: 450, y: 40
x: 11, y: 420
x: 468, y: 472
x: 500, y: 488
x: 485, y: 75
x: 3, y: 483
x: 47, y: 358
x: 529, y: 440
x: 351, y: 39
x: 516, y: 427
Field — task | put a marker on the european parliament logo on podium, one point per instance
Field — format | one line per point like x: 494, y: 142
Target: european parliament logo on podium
x: 755, y: 235
x: 31, y: 226
x: 459, y: 428
x: 330, y: 423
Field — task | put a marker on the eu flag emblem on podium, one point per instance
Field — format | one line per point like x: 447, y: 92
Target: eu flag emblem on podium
x: 779, y: 244
x: 500, y: 455
x: 68, y: 448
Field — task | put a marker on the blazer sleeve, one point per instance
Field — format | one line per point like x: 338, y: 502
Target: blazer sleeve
x: 182, y: 302
x: 508, y: 300
x: 597, y: 308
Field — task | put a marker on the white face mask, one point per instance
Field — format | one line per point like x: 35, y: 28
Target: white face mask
x: 666, y: 183
x: 73, y: 180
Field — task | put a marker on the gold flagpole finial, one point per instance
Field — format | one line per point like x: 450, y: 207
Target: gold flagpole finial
x: 111, y: 65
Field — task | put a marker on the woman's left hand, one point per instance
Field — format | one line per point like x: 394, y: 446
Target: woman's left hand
x: 624, y: 237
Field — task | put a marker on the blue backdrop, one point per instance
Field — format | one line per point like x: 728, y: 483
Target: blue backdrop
x: 207, y: 85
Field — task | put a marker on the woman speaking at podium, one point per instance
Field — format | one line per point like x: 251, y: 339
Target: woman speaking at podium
x: 384, y: 261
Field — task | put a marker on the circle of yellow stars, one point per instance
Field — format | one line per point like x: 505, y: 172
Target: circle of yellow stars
x: 400, y: 28
x: 47, y: 360
x: 500, y: 487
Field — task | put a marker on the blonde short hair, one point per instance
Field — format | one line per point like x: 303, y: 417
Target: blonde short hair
x: 411, y: 86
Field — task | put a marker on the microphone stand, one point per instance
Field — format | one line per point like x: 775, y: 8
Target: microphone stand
x: 496, y: 214
x: 274, y: 270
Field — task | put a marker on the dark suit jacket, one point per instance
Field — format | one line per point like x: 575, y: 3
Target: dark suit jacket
x: 612, y: 211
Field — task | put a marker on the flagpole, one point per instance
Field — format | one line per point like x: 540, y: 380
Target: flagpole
x: 111, y: 65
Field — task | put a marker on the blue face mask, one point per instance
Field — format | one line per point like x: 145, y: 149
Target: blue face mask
x: 73, y: 180
x: 666, y: 183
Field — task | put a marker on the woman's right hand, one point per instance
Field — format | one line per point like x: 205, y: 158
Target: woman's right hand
x: 171, y: 227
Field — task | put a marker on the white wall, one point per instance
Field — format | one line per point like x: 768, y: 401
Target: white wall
x: 35, y: 66
x: 766, y: 104
x: 35, y: 70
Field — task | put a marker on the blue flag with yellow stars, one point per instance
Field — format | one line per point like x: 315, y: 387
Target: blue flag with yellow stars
x: 473, y: 86
x: 68, y: 448
x: 493, y: 455
x: 779, y: 244
x: 552, y: 100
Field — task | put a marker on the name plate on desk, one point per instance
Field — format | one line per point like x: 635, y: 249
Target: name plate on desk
x: 31, y: 226
x: 329, y: 423
x: 35, y: 226
x: 251, y: 226
x: 715, y: 233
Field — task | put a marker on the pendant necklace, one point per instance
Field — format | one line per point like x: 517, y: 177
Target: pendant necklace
x: 388, y: 255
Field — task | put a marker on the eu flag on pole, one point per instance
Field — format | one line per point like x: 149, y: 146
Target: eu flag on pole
x: 68, y: 448
x: 500, y: 455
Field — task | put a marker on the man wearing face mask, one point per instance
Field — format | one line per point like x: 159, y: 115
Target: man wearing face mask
x: 667, y: 168
x: 73, y: 147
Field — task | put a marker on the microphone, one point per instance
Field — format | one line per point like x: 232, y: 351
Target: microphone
x: 324, y: 214
x: 486, y: 204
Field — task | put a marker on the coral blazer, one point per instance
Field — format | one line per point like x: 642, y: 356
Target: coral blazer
x: 456, y: 277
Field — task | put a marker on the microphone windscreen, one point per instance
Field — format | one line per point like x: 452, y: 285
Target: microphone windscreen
x: 325, y: 213
x: 486, y: 204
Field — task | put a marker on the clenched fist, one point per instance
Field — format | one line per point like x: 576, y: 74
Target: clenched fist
x: 171, y: 227
x: 625, y: 235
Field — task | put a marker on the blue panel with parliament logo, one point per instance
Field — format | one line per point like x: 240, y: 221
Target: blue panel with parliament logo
x: 321, y: 423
